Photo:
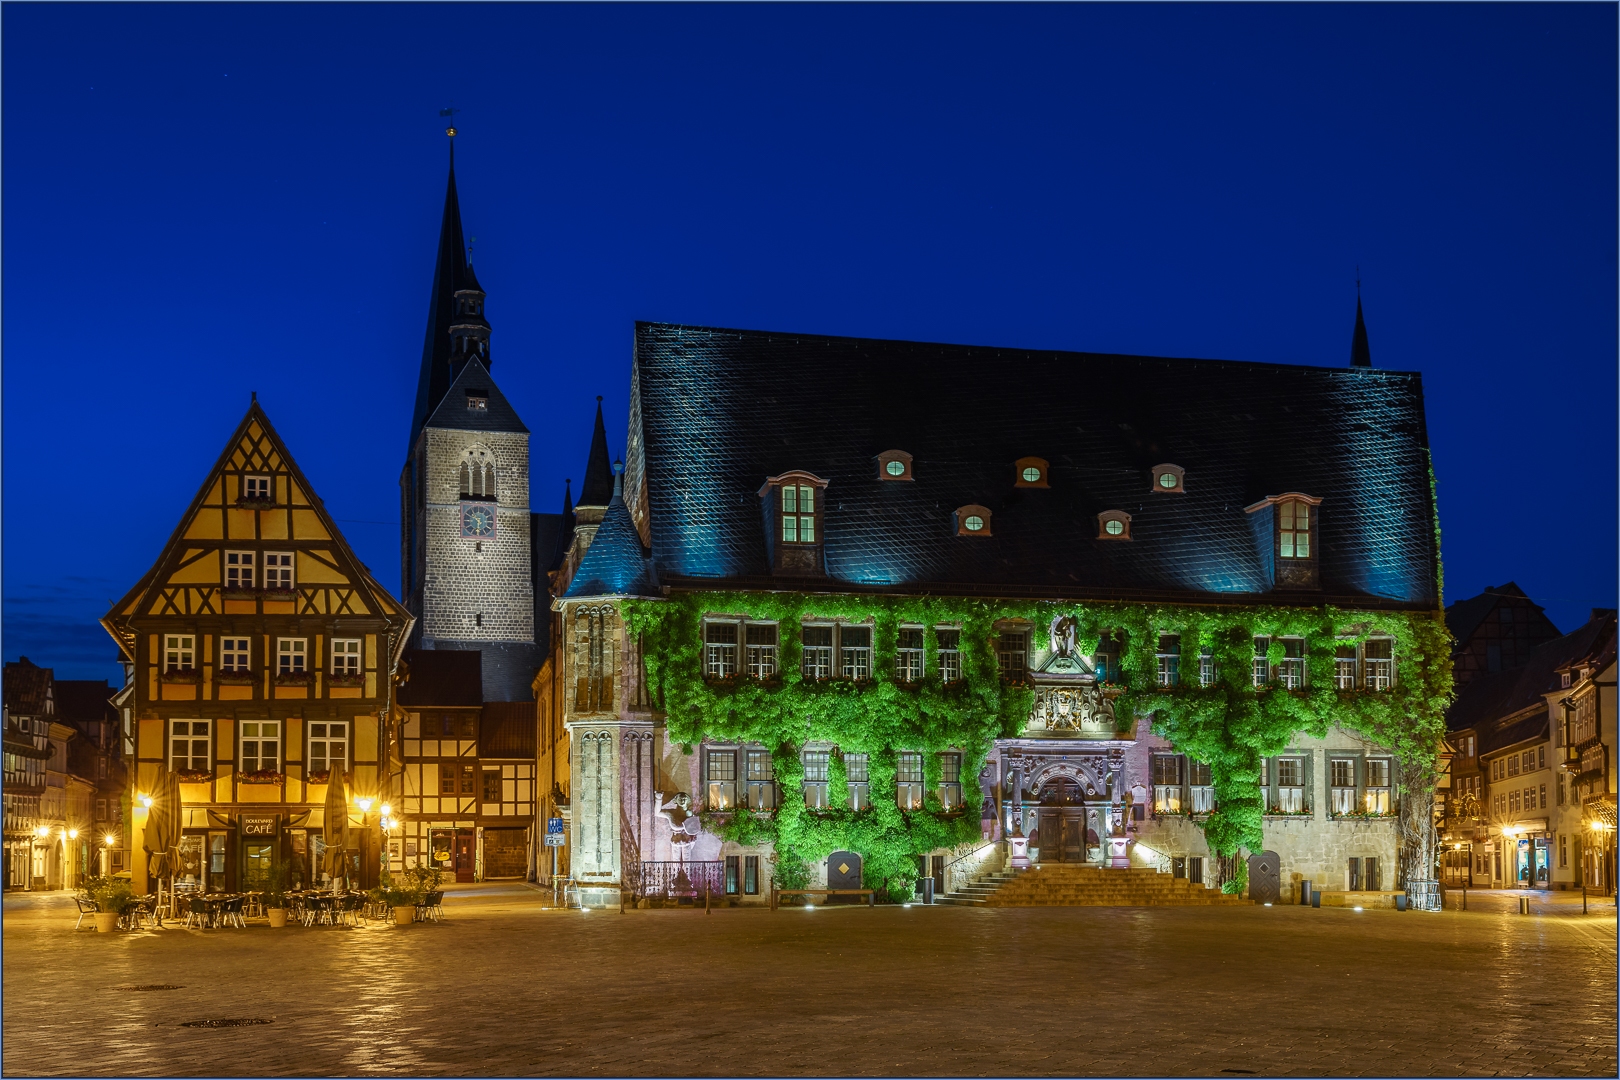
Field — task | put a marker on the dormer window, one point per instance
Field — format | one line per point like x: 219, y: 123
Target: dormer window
x: 972, y: 520
x: 894, y: 465
x: 1113, y: 525
x: 1169, y: 480
x: 1288, y: 523
x: 1293, y: 529
x: 256, y: 488
x: 478, y: 400
x: 1031, y: 472
x: 793, y: 504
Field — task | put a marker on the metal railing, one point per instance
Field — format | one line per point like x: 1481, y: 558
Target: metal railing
x: 675, y: 880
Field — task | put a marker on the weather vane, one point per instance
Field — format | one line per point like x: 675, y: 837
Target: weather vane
x: 451, y: 130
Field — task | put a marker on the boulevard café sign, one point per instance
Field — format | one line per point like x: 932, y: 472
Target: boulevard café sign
x: 263, y: 825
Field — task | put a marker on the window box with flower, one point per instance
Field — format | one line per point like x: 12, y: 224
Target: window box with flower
x: 194, y: 776
x: 181, y: 675
x: 345, y: 680
x: 261, y: 776
x: 236, y: 677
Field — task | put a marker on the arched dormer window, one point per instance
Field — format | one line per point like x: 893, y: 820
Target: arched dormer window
x: 1169, y: 480
x: 1031, y: 472
x: 1113, y: 525
x: 477, y: 475
x: 894, y: 465
x: 972, y: 520
x: 793, y: 503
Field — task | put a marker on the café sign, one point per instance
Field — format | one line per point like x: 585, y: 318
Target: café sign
x: 264, y: 825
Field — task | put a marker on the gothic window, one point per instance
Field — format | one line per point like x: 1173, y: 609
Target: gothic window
x: 594, y: 659
x: 476, y: 475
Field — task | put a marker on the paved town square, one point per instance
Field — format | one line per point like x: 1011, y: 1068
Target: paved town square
x: 506, y: 986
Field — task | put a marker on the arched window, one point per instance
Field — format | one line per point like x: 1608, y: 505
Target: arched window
x: 477, y: 475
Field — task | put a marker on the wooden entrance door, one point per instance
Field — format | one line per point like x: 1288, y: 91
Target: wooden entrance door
x: 1074, y: 835
x: 465, y: 855
x: 1265, y: 878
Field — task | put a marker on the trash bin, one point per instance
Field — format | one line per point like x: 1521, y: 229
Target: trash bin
x: 1305, y: 892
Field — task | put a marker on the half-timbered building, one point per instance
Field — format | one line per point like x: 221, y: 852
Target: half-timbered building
x: 260, y: 652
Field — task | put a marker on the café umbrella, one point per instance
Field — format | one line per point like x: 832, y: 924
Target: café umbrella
x: 336, y: 830
x: 163, y: 823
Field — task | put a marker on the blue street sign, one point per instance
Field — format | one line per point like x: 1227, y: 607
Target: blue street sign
x: 554, y: 825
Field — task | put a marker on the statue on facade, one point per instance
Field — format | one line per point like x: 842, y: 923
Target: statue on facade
x: 683, y: 823
x: 1064, y: 633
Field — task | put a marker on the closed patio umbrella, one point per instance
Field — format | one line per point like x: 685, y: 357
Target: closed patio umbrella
x: 163, y: 823
x: 336, y: 829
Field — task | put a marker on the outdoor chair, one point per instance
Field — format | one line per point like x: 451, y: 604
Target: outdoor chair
x: 433, y: 905
x: 231, y: 911
x: 349, y: 908
x: 196, y: 908
x: 86, y: 907
x: 140, y: 914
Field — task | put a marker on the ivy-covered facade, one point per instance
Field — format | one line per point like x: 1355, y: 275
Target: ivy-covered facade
x: 925, y: 621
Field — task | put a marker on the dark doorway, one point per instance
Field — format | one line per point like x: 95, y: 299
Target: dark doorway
x: 939, y: 875
x: 843, y: 872
x: 466, y: 855
x: 1265, y: 877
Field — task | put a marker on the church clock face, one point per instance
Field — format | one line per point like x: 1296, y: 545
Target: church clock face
x: 478, y: 521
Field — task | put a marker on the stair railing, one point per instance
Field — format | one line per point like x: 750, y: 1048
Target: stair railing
x: 966, y: 876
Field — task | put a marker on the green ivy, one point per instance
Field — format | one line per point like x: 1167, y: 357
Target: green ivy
x: 1229, y: 725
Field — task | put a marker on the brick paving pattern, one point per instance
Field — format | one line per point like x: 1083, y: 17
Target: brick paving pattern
x: 508, y: 986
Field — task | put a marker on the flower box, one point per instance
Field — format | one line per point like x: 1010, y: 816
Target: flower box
x: 262, y: 776
x: 255, y: 504
x: 294, y: 678
x: 345, y: 680
x: 194, y: 776
x: 181, y: 675
x: 319, y: 776
x: 235, y: 678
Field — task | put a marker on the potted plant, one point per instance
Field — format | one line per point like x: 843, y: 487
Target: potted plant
x: 401, y: 897
x: 275, y: 894
x: 113, y: 897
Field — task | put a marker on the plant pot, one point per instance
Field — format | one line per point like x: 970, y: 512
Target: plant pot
x: 403, y: 915
x: 106, y: 922
x: 277, y: 916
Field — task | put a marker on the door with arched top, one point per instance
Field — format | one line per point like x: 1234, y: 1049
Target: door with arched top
x: 1265, y: 877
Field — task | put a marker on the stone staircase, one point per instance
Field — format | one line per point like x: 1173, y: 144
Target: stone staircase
x: 1069, y: 885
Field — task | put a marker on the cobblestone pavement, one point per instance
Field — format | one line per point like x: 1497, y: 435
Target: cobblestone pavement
x: 507, y: 986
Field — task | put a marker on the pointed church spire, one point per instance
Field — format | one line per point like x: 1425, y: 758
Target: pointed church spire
x: 568, y: 499
x: 1360, y: 356
x: 597, y: 490
x: 446, y: 311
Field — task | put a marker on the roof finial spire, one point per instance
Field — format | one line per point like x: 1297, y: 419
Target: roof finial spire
x: 450, y: 114
x: 1360, y: 355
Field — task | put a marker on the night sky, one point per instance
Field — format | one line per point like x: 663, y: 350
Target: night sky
x: 201, y: 201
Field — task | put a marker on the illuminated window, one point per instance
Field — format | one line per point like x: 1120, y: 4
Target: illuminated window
x: 1293, y: 529
x: 908, y: 664
x: 1201, y: 787
x: 1031, y: 472
x: 1169, y: 480
x: 1169, y: 660
x: 1378, y: 786
x: 972, y: 520
x: 261, y: 745
x: 761, y: 639
x: 188, y: 745
x: 328, y: 748
x: 720, y: 650
x: 855, y: 773
x: 1344, y: 667
x: 816, y: 657
x: 950, y: 655
x: 1113, y: 525
x: 950, y: 781
x: 1166, y: 771
x: 1379, y: 663
x: 815, y: 778
x: 761, y: 780
x: 894, y: 465
x: 855, y: 652
x: 1291, y: 669
x: 722, y: 790
x: 1290, y: 785
x: 909, y: 781
x: 798, y: 514
x: 1342, y: 783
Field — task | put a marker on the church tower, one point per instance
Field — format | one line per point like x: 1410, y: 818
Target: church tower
x: 467, y: 570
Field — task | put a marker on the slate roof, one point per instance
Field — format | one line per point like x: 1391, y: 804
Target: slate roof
x: 598, y: 486
x: 443, y: 678
x: 720, y: 410
x: 27, y: 687
x: 452, y: 413
x: 615, y: 564
x: 1489, y: 698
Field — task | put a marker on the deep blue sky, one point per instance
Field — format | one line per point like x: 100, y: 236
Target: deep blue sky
x: 202, y: 201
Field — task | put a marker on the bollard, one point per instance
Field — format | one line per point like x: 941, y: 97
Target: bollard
x: 1305, y: 892
x: 1583, y: 898
x: 1316, y: 898
x: 1401, y: 902
x: 1465, y: 896
x: 706, y: 910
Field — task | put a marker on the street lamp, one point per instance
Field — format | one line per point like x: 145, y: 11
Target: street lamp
x: 145, y: 800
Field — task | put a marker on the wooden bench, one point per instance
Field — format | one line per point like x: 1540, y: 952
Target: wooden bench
x: 871, y: 895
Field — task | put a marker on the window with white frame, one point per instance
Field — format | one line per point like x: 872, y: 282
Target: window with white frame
x: 239, y: 569
x: 1378, y: 786
x: 761, y: 645
x: 1201, y: 787
x: 950, y: 654
x: 1513, y: 764
x: 816, y: 656
x: 188, y: 745
x: 1291, y: 669
x: 815, y: 778
x: 1344, y: 667
x: 761, y: 780
x: 290, y: 656
x: 179, y: 652
x: 1262, y: 665
x: 1169, y: 660
x: 1541, y: 791
x: 233, y: 655
x: 346, y: 656
x: 1290, y: 785
x: 950, y: 781
x: 722, y: 769
x: 798, y: 514
x: 720, y: 650
x: 855, y: 772
x: 909, y: 781
x: 261, y: 746
x: 1293, y: 529
x: 855, y: 652
x: 278, y: 570
x: 1513, y: 801
x: 328, y: 747
x: 256, y: 488
x: 1379, y: 663
x: 1166, y: 770
x: 1206, y: 669
x: 1342, y: 784
x: 1265, y: 784
x: 908, y: 655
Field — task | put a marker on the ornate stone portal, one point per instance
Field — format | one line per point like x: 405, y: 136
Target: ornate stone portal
x: 1068, y: 700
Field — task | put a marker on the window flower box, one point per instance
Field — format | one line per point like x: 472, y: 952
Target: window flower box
x: 280, y: 594
x: 262, y: 776
x: 236, y: 677
x: 1362, y: 815
x: 181, y: 675
x: 247, y: 503
x: 346, y: 680
x: 194, y: 776
x: 294, y: 678
x: 319, y: 776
